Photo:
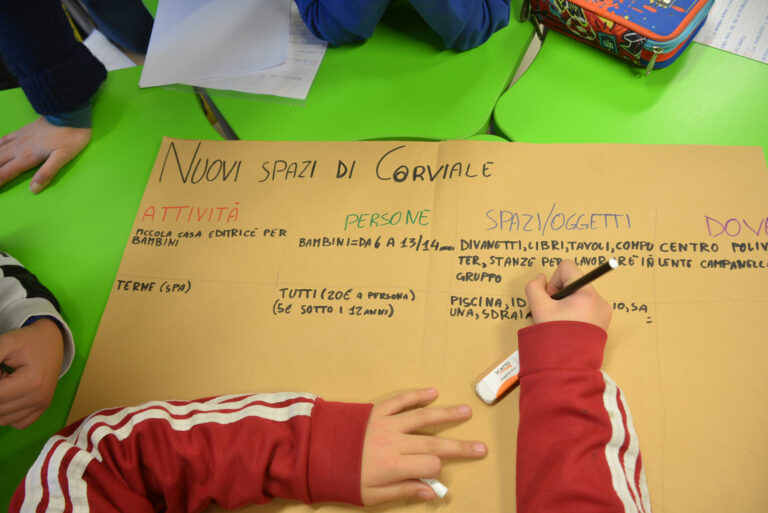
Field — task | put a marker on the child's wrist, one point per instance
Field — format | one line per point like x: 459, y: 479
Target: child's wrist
x: 47, y: 322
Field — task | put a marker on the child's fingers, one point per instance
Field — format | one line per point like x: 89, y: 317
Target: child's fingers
x: 17, y: 418
x: 410, y: 489
x: 406, y: 466
x: 565, y: 273
x: 5, y: 156
x: 6, y: 149
x: 55, y: 161
x: 14, y: 404
x: 12, y: 388
x: 406, y: 400
x: 536, y: 291
x: 7, y: 138
x: 424, y: 417
x: 415, y: 466
x: 11, y: 169
x: 442, y: 447
x: 33, y: 415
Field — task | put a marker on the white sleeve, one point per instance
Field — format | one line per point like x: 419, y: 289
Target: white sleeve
x: 22, y: 296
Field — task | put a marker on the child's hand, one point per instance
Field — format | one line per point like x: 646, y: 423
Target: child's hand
x: 40, y: 143
x: 584, y: 305
x: 35, y: 352
x: 394, y: 459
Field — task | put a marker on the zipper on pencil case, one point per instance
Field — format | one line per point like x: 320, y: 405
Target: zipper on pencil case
x: 658, y: 47
x: 665, y: 46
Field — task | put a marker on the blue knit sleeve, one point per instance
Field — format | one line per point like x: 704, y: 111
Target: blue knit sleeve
x: 342, y: 21
x: 464, y: 24
x: 57, y: 73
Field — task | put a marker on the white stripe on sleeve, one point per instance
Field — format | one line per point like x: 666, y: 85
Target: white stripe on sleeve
x: 612, y: 448
x: 631, y: 458
x: 98, y: 426
x: 33, y: 489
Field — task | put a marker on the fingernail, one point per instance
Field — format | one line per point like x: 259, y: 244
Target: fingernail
x: 425, y: 494
x: 464, y: 410
x: 35, y: 187
x: 480, y: 448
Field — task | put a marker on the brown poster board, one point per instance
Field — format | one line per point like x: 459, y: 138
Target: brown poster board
x: 356, y: 270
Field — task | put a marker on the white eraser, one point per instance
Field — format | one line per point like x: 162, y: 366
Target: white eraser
x: 486, y: 393
x: 439, y: 488
x: 500, y: 379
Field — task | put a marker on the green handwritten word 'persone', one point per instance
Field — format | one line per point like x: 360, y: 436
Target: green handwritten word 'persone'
x: 382, y: 219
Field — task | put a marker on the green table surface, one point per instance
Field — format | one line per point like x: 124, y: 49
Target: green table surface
x: 573, y: 93
x: 400, y: 84
x: 72, y: 235
x: 151, y: 5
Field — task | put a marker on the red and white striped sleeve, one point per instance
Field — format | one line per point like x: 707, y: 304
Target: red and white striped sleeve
x: 577, y: 450
x: 181, y: 455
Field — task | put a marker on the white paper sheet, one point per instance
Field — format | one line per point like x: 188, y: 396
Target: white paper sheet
x: 110, y: 56
x: 203, y: 39
x: 291, y: 79
x: 738, y: 26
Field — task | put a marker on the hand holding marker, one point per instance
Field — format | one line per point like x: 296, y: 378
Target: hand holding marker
x: 505, y: 374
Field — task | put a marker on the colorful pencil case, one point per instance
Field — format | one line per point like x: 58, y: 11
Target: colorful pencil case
x: 649, y: 33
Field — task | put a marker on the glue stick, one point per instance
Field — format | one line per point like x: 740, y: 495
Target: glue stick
x: 498, y: 381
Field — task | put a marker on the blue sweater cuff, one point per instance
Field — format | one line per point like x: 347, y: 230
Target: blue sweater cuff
x: 80, y: 118
x: 36, y: 318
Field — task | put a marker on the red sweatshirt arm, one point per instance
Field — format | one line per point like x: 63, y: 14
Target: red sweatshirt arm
x: 577, y: 450
x: 181, y: 455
